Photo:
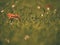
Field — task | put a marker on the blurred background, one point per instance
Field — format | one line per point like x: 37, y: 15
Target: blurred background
x: 39, y: 22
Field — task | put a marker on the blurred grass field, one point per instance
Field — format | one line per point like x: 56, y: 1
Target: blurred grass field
x: 41, y: 28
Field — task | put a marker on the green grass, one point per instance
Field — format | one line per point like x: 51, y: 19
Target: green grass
x: 42, y: 30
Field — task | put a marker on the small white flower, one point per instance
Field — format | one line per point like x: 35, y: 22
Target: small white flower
x: 16, y: 1
x: 7, y: 40
x: 55, y: 11
x: 2, y: 11
x: 7, y: 3
x: 11, y: 23
x: 41, y: 14
x: 47, y: 12
x: 13, y: 6
x: 26, y: 37
x: 48, y: 8
x: 38, y: 7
